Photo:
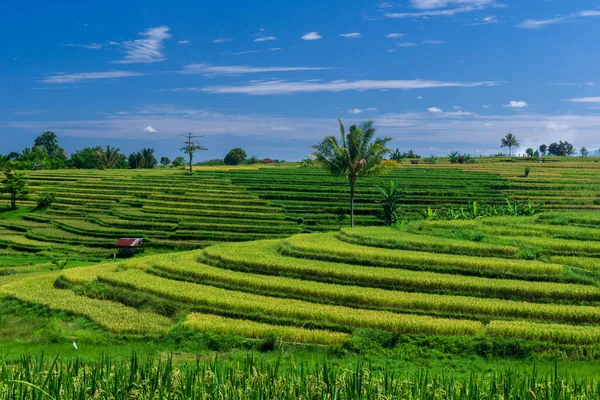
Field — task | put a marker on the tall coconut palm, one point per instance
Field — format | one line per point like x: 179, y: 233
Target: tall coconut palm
x: 509, y: 141
x: 108, y: 158
x: 356, y: 154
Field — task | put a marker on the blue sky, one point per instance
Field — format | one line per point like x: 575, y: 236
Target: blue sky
x: 273, y: 76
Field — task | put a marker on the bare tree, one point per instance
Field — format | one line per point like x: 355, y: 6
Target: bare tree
x: 191, y: 146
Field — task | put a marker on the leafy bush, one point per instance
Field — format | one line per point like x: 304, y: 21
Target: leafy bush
x: 45, y: 200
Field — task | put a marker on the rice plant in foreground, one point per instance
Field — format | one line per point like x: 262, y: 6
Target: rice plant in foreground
x: 280, y: 378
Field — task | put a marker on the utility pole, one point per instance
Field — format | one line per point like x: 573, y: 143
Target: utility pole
x: 191, y: 146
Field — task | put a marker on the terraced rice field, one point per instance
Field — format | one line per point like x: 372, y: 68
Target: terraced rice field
x: 176, y: 211
x: 444, y: 278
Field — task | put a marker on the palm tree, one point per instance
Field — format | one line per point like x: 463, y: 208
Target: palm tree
x: 108, y: 158
x: 356, y: 154
x: 509, y: 141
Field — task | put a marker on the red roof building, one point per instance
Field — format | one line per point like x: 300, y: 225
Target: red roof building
x: 129, y: 246
x: 267, y: 161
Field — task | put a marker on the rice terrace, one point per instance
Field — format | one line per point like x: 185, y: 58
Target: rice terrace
x: 300, y: 200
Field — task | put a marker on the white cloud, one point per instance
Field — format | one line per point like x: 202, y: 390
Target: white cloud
x: 394, y: 35
x: 209, y: 69
x: 443, y: 8
x: 359, y: 110
x: 585, y: 100
x: 87, y: 76
x: 92, y: 46
x: 311, y: 36
x: 447, y: 130
x: 517, y: 104
x: 353, y: 35
x: 149, y: 129
x: 244, y: 52
x: 433, y: 42
x: 183, y: 42
x: 457, y: 108
x: 432, y: 4
x: 420, y: 97
x: 222, y: 40
x: 406, y: 44
x: 434, y: 110
x: 275, y: 49
x: 485, y: 106
x: 148, y: 50
x: 265, y: 39
x: 283, y: 87
x: 541, y: 23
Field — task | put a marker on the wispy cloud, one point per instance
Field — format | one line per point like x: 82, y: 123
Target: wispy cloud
x: 311, y: 36
x: 209, y: 69
x: 471, y: 132
x: 517, y: 104
x: 444, y: 8
x: 490, y: 19
x: 222, y: 40
x: 394, y: 35
x: 406, y: 44
x: 88, y: 76
x: 265, y: 39
x: 34, y: 112
x: 183, y: 42
x: 434, y: 110
x: 353, y: 35
x: 541, y: 23
x: 275, y: 87
x: 147, y: 50
x: 239, y: 53
x: 92, y: 46
x: 576, y: 84
x: 433, y: 42
x: 585, y: 100
x: 361, y: 110
x: 149, y: 129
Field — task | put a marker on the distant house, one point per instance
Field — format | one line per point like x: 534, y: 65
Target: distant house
x: 267, y: 161
x: 129, y: 246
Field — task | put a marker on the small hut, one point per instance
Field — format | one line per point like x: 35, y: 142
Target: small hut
x: 127, y: 247
x: 266, y: 161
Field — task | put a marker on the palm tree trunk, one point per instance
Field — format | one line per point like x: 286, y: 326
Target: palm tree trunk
x: 509, y: 151
x: 351, y: 203
x: 191, y: 156
x: 13, y: 200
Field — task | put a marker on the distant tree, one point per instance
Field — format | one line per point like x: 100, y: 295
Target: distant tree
x: 391, y: 197
x: 15, y: 185
x: 356, y: 154
x: 49, y: 141
x: 135, y: 160
x: 307, y: 162
x: 553, y: 149
x: 179, y: 161
x: 191, y: 146
x: 52, y: 156
x: 84, y: 159
x: 235, y: 156
x: 543, y: 149
x: 108, y: 158
x: 529, y: 152
x: 584, y: 152
x: 569, y: 149
x: 396, y: 155
x: 148, y: 160
x: 509, y: 141
x: 252, y: 160
x: 4, y: 161
x: 165, y: 161
x: 562, y: 149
